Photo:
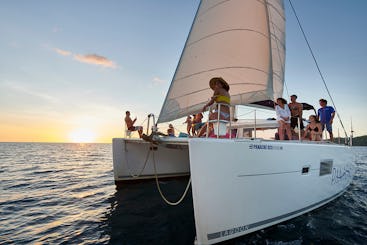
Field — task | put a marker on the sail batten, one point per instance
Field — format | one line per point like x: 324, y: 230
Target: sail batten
x: 240, y: 41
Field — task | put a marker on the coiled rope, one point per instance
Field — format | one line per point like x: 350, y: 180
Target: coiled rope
x: 317, y: 65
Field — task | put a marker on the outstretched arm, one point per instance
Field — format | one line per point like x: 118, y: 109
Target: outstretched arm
x: 211, y: 101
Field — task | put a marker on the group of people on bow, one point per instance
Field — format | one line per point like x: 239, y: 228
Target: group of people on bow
x: 289, y: 116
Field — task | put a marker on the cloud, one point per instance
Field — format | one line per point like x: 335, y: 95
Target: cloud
x: 157, y: 81
x: 95, y: 60
x: 62, y: 52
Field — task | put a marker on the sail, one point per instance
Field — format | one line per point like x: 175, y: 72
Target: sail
x: 240, y: 41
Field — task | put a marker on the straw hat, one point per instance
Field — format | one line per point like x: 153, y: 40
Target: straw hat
x: 214, y: 80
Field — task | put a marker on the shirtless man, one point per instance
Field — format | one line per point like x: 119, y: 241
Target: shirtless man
x: 130, y: 124
x: 296, y: 112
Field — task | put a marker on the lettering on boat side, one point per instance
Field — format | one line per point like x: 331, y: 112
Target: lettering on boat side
x: 264, y: 147
x: 341, y: 174
x: 228, y: 232
x: 266, y: 222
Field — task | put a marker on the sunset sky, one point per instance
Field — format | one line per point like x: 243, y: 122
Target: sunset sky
x: 70, y: 69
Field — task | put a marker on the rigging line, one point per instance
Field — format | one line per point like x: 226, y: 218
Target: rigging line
x: 317, y: 65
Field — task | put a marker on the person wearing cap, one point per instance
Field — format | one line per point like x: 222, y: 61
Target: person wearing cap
x: 296, y: 113
x: 221, y: 96
x: 326, y: 116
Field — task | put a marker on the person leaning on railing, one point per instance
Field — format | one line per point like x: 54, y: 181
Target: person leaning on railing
x: 220, y: 96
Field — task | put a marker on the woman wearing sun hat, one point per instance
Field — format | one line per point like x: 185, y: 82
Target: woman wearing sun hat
x: 220, y: 95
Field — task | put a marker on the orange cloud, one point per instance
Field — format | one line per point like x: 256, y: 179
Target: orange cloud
x: 95, y: 60
x: 62, y: 52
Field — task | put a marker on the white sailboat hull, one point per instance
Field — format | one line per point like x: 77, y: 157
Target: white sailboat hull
x: 243, y: 185
x: 240, y: 186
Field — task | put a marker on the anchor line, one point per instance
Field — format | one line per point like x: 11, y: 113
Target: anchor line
x: 128, y: 167
x: 160, y: 191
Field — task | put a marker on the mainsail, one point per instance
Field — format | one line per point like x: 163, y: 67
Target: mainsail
x: 240, y: 41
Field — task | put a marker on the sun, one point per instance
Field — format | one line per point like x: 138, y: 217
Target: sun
x: 82, y: 135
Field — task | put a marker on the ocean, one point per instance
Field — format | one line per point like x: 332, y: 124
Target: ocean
x: 52, y: 193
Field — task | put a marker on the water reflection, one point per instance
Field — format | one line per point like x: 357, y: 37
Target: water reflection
x: 138, y: 215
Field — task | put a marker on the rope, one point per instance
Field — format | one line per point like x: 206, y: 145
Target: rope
x: 317, y: 65
x: 128, y: 167
x: 156, y: 178
x: 161, y: 193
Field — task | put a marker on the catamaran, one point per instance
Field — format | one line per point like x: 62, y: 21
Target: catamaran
x: 240, y: 183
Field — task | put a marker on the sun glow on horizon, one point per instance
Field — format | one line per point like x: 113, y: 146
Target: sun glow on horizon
x: 82, y: 135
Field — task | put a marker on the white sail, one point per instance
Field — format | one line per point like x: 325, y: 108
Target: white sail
x: 240, y: 41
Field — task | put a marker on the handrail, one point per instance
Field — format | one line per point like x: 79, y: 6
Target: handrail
x: 218, y: 106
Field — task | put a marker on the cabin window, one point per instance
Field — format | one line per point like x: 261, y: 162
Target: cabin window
x: 325, y: 167
x: 305, y: 169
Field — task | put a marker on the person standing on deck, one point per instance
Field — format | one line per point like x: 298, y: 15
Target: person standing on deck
x: 296, y: 113
x: 326, y: 116
x: 189, y: 124
x: 221, y: 96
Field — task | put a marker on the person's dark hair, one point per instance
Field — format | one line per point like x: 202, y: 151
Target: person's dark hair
x: 284, y: 101
x: 315, y: 117
x: 323, y: 100
x: 293, y: 95
x: 127, y: 112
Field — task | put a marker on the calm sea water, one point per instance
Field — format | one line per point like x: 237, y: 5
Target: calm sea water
x: 65, y: 193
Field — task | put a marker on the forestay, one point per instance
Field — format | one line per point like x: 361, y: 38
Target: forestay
x: 241, y: 41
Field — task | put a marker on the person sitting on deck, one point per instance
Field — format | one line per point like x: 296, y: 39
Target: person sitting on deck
x: 221, y: 96
x: 283, y: 118
x: 197, y: 123
x: 130, y: 124
x: 314, y: 128
x: 171, y: 130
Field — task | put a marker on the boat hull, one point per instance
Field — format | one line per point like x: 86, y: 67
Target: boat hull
x: 240, y: 186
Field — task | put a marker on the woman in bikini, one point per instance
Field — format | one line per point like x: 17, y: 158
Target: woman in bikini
x: 314, y: 128
x: 220, y: 96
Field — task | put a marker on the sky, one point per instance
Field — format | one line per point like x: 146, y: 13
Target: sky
x: 70, y: 69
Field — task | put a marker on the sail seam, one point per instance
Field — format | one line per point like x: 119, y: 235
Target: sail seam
x: 222, y: 68
x: 229, y: 30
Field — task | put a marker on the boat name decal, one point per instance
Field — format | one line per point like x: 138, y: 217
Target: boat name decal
x: 264, y: 147
x: 341, y: 174
x: 228, y: 232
